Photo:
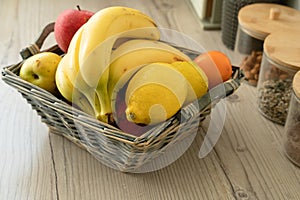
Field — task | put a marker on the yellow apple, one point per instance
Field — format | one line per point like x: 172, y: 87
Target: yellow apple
x: 40, y: 70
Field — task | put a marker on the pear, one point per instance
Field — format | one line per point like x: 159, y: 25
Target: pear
x: 40, y: 70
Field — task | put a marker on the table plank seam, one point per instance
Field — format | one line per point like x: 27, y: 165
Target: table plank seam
x: 225, y: 174
x: 54, y: 167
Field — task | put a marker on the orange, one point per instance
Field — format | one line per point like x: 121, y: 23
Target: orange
x: 216, y: 65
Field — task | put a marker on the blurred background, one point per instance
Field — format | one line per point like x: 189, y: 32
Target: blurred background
x: 222, y: 14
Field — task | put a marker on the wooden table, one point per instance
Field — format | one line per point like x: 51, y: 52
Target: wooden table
x: 247, y: 163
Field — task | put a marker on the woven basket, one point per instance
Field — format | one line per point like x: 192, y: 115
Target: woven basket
x: 108, y: 144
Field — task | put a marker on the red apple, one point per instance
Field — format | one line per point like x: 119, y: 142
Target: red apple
x: 66, y: 25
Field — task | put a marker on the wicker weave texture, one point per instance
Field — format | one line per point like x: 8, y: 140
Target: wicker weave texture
x: 110, y: 145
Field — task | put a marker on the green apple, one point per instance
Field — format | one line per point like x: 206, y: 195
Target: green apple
x: 40, y: 70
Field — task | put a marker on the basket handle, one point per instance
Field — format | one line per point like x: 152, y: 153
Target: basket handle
x: 36, y: 47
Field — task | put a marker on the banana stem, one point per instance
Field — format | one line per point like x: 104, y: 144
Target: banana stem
x: 105, y: 114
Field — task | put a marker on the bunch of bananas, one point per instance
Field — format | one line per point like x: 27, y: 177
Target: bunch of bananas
x: 120, y: 46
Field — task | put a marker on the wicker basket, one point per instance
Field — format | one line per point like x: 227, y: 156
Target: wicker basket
x: 108, y: 144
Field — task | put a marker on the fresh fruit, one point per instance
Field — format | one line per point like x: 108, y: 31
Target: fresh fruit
x: 73, y: 50
x: 120, y: 116
x: 132, y: 55
x: 88, y: 104
x: 114, y: 20
x: 197, y: 79
x: 154, y: 94
x: 97, y: 66
x: 69, y: 66
x: 216, y: 65
x: 64, y: 86
x: 66, y: 25
x: 150, y: 79
x: 40, y: 70
x: 97, y: 39
x: 71, y: 94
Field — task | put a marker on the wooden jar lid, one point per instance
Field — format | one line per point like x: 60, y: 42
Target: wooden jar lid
x: 296, y: 84
x: 284, y: 48
x: 260, y: 19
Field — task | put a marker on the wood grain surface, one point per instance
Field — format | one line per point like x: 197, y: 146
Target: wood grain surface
x: 247, y: 163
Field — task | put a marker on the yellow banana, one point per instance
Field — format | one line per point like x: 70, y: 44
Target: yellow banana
x: 102, y: 31
x: 97, y: 41
x: 74, y: 47
x: 85, y: 100
x: 72, y: 74
x: 63, y: 84
x: 132, y: 55
x: 93, y: 75
x: 71, y: 68
x: 77, y: 81
x: 111, y: 21
x: 155, y: 93
x: 70, y: 93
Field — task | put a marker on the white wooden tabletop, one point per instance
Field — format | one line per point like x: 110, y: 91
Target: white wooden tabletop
x: 247, y: 162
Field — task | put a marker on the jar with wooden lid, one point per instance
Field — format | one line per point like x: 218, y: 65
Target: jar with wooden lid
x: 280, y: 62
x: 256, y: 22
x: 292, y: 127
x: 229, y: 25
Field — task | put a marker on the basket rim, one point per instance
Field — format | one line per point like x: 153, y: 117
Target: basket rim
x: 10, y: 76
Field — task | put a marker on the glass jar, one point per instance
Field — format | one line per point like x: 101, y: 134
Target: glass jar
x: 280, y: 63
x: 291, y: 140
x: 256, y: 22
x: 229, y: 25
x: 250, y: 48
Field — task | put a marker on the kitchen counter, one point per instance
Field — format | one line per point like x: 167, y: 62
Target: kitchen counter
x: 247, y: 162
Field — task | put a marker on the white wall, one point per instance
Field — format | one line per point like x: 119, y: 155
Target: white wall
x: 294, y: 3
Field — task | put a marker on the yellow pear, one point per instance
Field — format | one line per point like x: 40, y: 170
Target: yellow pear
x: 40, y: 70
